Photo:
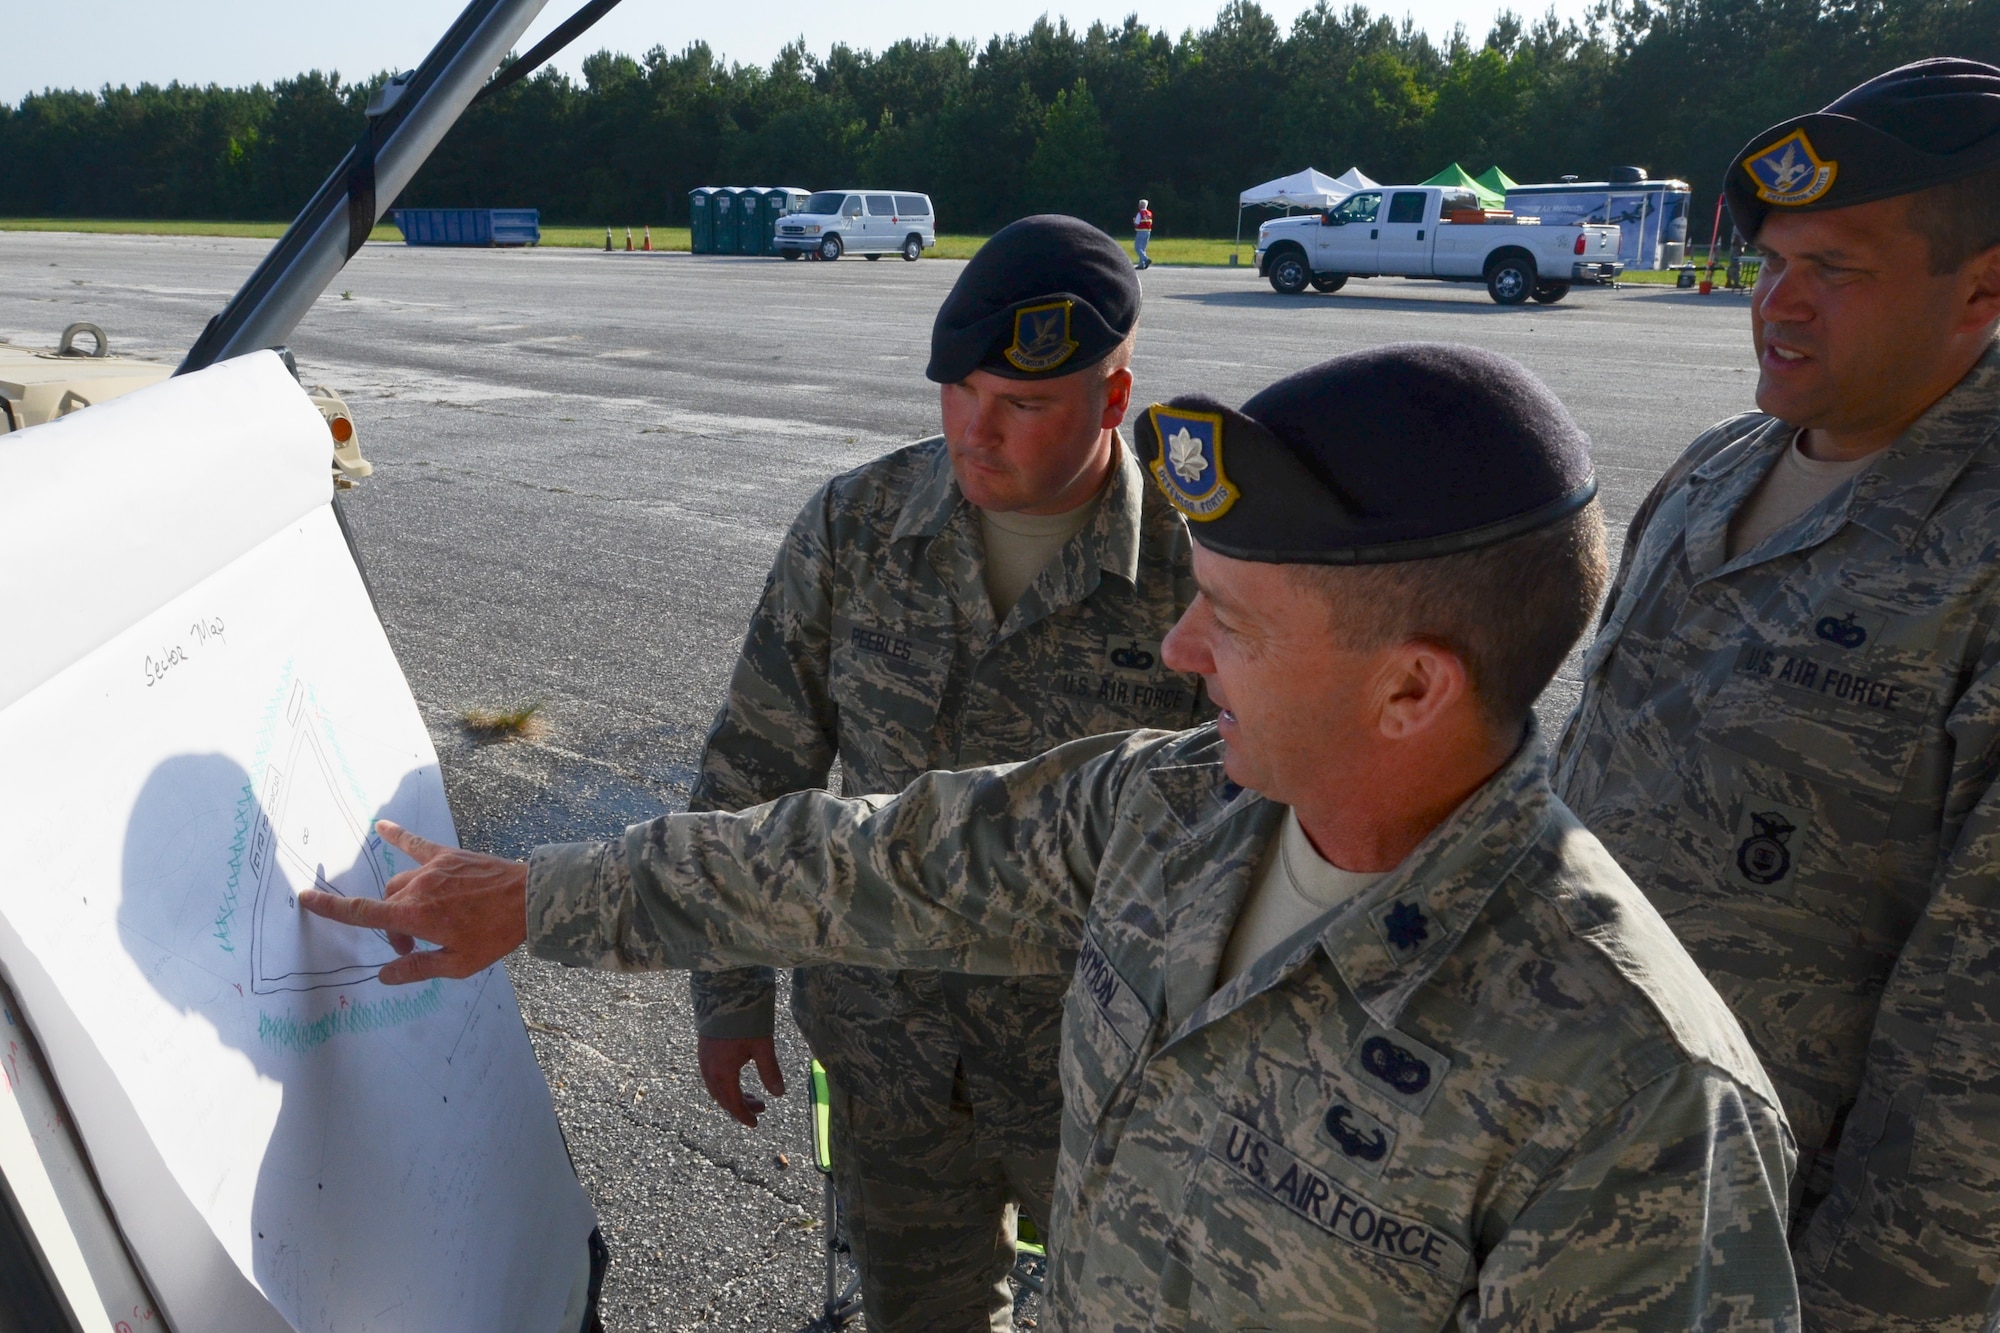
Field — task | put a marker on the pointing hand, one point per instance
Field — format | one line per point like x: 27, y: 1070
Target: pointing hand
x: 473, y: 907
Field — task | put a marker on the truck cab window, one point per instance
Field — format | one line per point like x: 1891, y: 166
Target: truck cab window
x: 1406, y: 206
x: 1359, y: 207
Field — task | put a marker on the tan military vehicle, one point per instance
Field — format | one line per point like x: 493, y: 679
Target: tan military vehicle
x: 41, y: 386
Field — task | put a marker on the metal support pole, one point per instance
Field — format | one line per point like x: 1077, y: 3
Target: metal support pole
x: 411, y: 113
x: 1714, y: 237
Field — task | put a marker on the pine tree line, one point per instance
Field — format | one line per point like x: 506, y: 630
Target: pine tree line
x: 1051, y: 119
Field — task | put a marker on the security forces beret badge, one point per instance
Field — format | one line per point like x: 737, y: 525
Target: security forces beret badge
x: 1923, y: 124
x: 1041, y: 337
x: 1368, y: 459
x: 1045, y: 296
x: 1789, y: 172
x: 1189, y: 468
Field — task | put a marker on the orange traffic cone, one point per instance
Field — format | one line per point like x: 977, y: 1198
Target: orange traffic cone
x: 628, y: 240
x: 649, y: 237
x: 607, y: 240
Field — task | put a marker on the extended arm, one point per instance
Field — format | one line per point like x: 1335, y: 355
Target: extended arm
x: 986, y: 871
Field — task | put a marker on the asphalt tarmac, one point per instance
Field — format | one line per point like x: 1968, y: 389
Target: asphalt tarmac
x: 584, y: 464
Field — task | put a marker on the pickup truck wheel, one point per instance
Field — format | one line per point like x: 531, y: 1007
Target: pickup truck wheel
x: 829, y: 250
x: 1511, y: 280
x: 1329, y: 282
x: 1289, y: 273
x: 1548, y: 293
x: 913, y: 248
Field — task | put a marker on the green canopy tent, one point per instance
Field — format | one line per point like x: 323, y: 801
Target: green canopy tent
x: 1496, y: 180
x: 1453, y: 177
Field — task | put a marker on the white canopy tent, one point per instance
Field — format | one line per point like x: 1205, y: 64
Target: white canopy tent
x: 1307, y: 189
x: 1302, y: 189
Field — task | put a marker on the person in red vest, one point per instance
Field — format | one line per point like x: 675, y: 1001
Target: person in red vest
x: 1142, y: 232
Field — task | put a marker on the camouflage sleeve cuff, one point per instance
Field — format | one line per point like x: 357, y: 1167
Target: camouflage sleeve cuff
x: 737, y: 1005
x: 572, y: 908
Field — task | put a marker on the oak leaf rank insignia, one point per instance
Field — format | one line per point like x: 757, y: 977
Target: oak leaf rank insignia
x: 1189, y: 468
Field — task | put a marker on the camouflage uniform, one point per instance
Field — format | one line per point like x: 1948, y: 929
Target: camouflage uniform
x: 1492, y: 1089
x: 1794, y: 751
x: 875, y: 641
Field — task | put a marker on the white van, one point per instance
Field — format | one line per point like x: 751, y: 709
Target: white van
x: 859, y: 222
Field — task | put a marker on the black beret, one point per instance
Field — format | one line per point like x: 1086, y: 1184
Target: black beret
x: 1046, y: 296
x: 1917, y: 126
x: 1401, y: 452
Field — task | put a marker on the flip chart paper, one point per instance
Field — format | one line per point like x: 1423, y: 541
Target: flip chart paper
x: 211, y: 720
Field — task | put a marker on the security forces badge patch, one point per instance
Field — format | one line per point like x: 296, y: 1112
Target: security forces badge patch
x: 1768, y: 841
x: 1189, y: 468
x: 1789, y: 172
x: 1041, y: 337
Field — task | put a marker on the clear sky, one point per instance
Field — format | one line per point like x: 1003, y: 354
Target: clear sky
x: 90, y: 43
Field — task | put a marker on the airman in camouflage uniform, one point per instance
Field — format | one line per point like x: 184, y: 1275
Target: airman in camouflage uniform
x: 876, y: 642
x: 1527, y: 1110
x: 1488, y: 1089
x: 1793, y: 745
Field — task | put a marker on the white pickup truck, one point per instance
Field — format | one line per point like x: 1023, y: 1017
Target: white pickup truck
x: 1427, y: 231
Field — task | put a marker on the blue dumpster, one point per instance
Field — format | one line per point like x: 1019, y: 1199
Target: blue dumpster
x: 469, y: 226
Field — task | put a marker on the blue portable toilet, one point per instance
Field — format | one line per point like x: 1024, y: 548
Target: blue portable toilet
x: 750, y: 238
x: 725, y: 201
x: 772, y: 205
x: 701, y: 220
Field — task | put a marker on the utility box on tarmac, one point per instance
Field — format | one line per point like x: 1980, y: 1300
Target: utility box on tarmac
x: 469, y: 226
x: 724, y: 202
x: 701, y: 220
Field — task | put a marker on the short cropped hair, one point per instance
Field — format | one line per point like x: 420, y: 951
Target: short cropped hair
x: 1958, y: 219
x: 1120, y: 357
x: 1511, y: 612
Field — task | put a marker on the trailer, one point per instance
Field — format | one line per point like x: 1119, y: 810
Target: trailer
x: 1651, y: 215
